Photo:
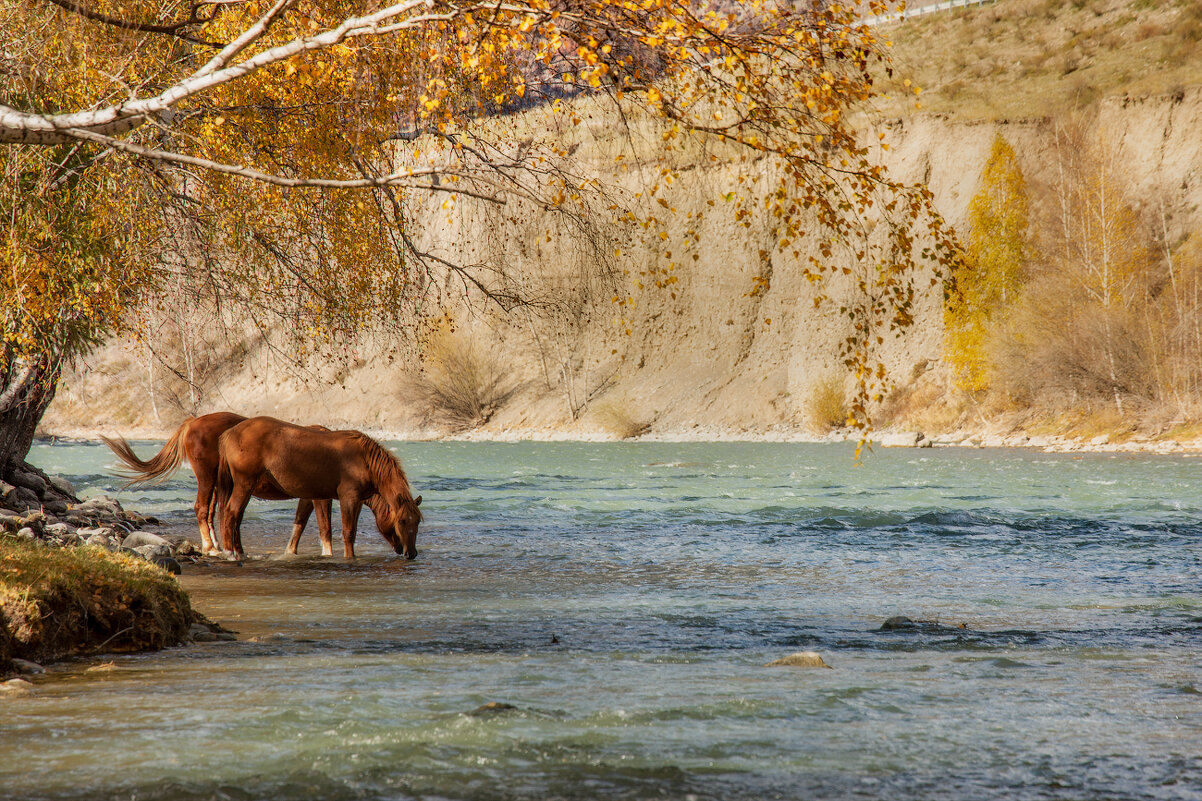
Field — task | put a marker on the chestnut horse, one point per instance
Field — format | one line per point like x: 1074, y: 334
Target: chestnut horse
x: 196, y: 440
x: 306, y: 463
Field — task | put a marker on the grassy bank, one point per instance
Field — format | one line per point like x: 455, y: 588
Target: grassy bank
x: 59, y: 602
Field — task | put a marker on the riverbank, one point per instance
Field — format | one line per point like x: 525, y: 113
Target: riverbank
x: 62, y: 602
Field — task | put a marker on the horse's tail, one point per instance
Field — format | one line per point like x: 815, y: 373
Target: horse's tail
x: 157, y: 467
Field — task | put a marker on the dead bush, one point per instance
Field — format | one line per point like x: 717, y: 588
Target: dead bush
x: 618, y: 419
x: 460, y: 388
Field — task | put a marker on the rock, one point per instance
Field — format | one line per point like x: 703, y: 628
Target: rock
x: 10, y: 522
x: 62, y: 485
x: 21, y: 499
x: 906, y: 439
x: 800, y: 659
x: 16, y: 686
x: 26, y: 667
x: 26, y: 533
x: 206, y: 632
x: 29, y: 481
x: 150, y: 552
x: 100, y: 504
x: 492, y: 709
x: 903, y: 623
x: 56, y: 507
x: 138, y: 539
x: 99, y: 536
x: 167, y: 563
x: 63, y: 534
x: 187, y: 548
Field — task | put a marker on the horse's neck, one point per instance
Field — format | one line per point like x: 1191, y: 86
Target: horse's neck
x: 380, y: 507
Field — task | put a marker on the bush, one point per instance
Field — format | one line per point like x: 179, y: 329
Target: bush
x: 617, y: 419
x: 827, y: 407
x: 459, y: 388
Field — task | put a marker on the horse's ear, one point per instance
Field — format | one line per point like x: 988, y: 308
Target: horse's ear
x: 417, y: 501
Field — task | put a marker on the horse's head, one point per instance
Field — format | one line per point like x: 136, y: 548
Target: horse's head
x: 400, y: 529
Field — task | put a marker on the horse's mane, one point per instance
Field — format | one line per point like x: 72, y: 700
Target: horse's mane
x: 383, y: 466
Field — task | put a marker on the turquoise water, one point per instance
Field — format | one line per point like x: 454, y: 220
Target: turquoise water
x: 624, y: 599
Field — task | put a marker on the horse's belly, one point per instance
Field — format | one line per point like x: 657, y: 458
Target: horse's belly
x: 295, y: 483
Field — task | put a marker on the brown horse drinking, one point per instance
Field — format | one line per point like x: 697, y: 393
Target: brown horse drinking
x: 196, y: 440
x: 297, y: 462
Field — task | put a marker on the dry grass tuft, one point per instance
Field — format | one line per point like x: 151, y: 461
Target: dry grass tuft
x: 460, y: 388
x: 618, y: 419
x: 826, y: 406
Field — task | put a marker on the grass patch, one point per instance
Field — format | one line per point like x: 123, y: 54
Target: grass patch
x: 58, y: 602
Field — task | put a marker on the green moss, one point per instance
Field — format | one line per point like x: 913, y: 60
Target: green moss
x: 58, y: 602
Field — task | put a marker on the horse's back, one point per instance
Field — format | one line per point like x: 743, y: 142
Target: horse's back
x: 302, y: 461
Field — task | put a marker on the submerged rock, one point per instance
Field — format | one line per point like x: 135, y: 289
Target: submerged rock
x: 903, y: 623
x: 800, y: 659
x: 16, y: 685
x: 27, y: 667
x: 207, y: 631
x: 492, y: 709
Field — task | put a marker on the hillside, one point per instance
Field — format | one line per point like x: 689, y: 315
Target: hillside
x: 708, y: 357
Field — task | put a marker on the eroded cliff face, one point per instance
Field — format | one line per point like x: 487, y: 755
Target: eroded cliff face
x: 704, y: 356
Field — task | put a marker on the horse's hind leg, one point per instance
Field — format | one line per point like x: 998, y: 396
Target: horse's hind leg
x: 231, y: 520
x: 304, y: 508
x: 204, y: 507
x: 325, y: 526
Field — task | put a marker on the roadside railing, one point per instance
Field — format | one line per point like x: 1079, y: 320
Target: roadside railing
x: 909, y: 13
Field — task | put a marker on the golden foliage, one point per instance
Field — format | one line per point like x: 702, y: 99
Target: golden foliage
x: 180, y: 108
x: 982, y: 287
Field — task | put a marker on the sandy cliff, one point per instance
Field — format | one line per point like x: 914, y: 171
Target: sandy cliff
x: 701, y: 358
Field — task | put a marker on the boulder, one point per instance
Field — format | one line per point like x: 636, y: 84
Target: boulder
x: 903, y: 439
x: 62, y: 485
x: 809, y: 659
x: 28, y: 534
x: 21, y: 499
x: 206, y: 632
x: 167, y: 563
x: 139, y: 538
x: 24, y: 666
x: 11, y: 522
x: 102, y: 537
x: 903, y: 623
x: 150, y: 552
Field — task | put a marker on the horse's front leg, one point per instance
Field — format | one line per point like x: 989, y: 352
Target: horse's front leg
x: 304, y: 507
x: 325, y: 528
x: 350, y: 519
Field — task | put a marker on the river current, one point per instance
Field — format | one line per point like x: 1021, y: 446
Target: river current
x: 618, y: 604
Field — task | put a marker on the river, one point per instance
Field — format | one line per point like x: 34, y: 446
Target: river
x: 624, y: 600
